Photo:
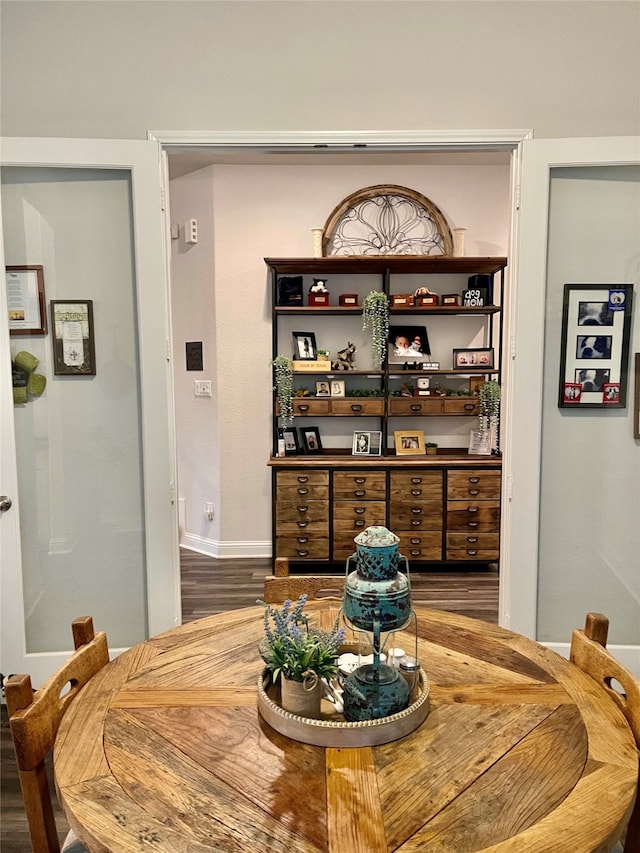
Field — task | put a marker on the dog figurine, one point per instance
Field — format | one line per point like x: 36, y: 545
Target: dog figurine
x: 345, y: 359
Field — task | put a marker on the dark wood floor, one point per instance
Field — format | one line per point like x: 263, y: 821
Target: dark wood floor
x: 211, y: 586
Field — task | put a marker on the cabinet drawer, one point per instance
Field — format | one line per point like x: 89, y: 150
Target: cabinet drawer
x: 302, y: 547
x: 483, y: 516
x: 303, y: 478
x: 461, y: 406
x: 365, y: 486
x: 415, y: 405
x: 309, y: 493
x: 416, y: 486
x: 421, y: 515
x: 351, y: 517
x: 343, y: 547
x: 480, y: 485
x: 357, y: 406
x: 310, y: 406
x: 312, y: 512
x: 473, y: 546
x: 421, y: 545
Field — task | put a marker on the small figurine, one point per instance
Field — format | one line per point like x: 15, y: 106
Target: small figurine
x: 318, y: 286
x: 345, y: 359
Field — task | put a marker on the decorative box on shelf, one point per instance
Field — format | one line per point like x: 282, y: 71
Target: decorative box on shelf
x: 311, y: 366
x: 402, y: 300
x: 450, y: 299
x: 429, y: 299
x: 348, y: 299
x: 318, y: 299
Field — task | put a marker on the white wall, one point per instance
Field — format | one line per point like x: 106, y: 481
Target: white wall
x: 118, y: 69
x: 258, y: 212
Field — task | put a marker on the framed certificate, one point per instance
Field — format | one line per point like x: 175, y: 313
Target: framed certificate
x: 72, y: 332
x: 25, y: 300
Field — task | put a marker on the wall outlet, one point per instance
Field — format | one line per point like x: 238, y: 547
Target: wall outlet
x: 203, y: 388
x: 191, y: 231
x: 208, y: 510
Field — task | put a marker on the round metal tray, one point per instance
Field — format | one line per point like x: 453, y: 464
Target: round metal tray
x: 332, y: 729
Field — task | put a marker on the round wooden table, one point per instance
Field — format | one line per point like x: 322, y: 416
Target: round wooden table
x: 164, y: 750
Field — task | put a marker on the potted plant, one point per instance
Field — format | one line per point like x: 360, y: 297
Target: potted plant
x: 283, y: 371
x: 489, y: 396
x: 431, y: 448
x: 301, y: 656
x: 375, y: 316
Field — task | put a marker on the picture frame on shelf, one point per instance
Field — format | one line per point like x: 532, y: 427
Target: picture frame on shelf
x: 367, y: 443
x: 480, y: 442
x: 304, y: 346
x: 72, y: 338
x: 338, y: 388
x: 408, y: 344
x: 594, y: 347
x: 25, y: 299
x: 310, y: 439
x: 291, y: 441
x: 473, y: 359
x: 323, y: 388
x: 409, y: 442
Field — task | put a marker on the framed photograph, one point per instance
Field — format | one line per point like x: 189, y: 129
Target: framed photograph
x: 408, y: 344
x: 323, y: 389
x: 291, y: 442
x: 304, y: 346
x: 25, y: 300
x: 594, y: 353
x: 409, y: 442
x: 636, y: 400
x: 310, y: 439
x: 74, y: 351
x: 473, y: 359
x: 480, y: 442
x: 337, y: 388
x: 367, y: 443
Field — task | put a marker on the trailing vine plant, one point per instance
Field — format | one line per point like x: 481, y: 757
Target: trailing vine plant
x: 375, y: 316
x: 489, y: 395
x: 283, y: 372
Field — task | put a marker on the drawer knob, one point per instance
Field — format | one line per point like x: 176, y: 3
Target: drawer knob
x: 415, y: 552
x: 303, y: 491
x: 302, y: 479
x: 302, y: 523
x: 359, y: 510
x: 474, y: 508
x: 303, y: 553
x: 359, y: 493
x: 416, y: 541
x: 415, y: 407
x: 416, y: 479
x: 416, y: 492
x: 416, y: 522
x: 360, y: 480
x: 473, y: 524
x: 474, y: 491
x: 359, y: 523
x: 302, y: 539
x: 303, y: 509
x: 474, y: 479
x: 302, y: 407
x: 472, y: 538
x: 356, y: 407
x: 416, y: 510
x: 471, y: 552
x: 469, y: 407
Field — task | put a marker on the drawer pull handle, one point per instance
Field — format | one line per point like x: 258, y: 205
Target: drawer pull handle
x: 471, y: 552
x: 302, y: 407
x: 416, y: 480
x: 474, y: 491
x: 416, y: 492
x: 474, y: 479
x: 359, y: 510
x: 302, y: 539
x: 359, y: 523
x: 359, y: 480
x: 359, y: 493
x: 415, y: 407
x: 415, y: 552
x: 473, y: 523
x: 356, y: 407
x: 416, y: 541
x: 472, y: 539
x: 474, y: 508
x: 302, y: 523
x: 303, y: 553
x: 303, y: 509
x: 302, y: 479
x: 416, y: 522
x: 303, y: 491
x: 469, y: 407
x: 416, y: 510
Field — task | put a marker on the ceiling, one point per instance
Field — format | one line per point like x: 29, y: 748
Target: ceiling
x: 183, y: 160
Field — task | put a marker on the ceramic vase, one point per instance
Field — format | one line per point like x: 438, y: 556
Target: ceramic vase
x: 458, y: 242
x: 317, y: 242
x: 302, y: 697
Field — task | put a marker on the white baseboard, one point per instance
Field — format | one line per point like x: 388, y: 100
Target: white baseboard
x: 218, y: 550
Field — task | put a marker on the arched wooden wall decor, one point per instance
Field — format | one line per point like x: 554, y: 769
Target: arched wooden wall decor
x: 387, y: 219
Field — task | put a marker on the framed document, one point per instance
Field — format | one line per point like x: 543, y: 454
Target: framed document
x: 72, y: 332
x: 25, y: 300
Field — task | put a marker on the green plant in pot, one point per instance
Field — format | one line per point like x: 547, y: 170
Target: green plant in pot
x: 375, y: 317
x: 283, y: 374
x: 299, y: 655
x: 489, y: 421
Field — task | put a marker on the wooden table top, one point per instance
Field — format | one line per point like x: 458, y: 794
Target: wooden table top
x: 164, y: 750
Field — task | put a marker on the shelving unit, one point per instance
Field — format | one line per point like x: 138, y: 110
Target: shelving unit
x: 321, y: 501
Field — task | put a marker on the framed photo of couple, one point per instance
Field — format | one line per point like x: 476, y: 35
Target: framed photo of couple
x: 367, y: 443
x: 594, y: 354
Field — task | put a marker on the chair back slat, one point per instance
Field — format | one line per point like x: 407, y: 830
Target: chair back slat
x: 34, y: 719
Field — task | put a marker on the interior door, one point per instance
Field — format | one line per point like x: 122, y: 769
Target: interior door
x: 89, y: 525
x: 573, y: 476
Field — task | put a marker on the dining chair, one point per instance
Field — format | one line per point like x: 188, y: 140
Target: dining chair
x: 589, y: 652
x: 34, y: 718
x: 282, y: 585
